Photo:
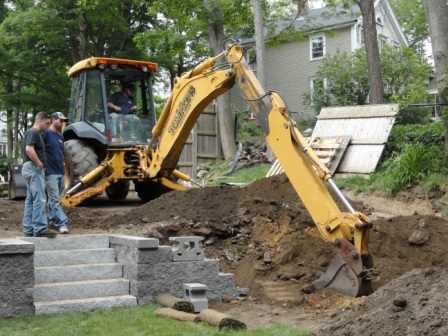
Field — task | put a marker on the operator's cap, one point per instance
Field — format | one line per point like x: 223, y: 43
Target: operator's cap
x: 59, y: 115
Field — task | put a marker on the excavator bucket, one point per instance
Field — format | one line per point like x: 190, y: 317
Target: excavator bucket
x: 347, y: 272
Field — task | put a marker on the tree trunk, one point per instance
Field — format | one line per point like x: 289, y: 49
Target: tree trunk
x: 376, y: 94
x: 437, y: 13
x: 216, y: 38
x: 259, y: 40
x: 10, y: 132
x: 10, y: 123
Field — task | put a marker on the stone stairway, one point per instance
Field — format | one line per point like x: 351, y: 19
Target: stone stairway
x: 77, y: 273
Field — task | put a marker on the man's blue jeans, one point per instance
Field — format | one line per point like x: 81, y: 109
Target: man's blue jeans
x: 34, y: 215
x: 55, y: 187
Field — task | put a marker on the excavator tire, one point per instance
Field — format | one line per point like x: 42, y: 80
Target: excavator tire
x: 118, y: 191
x: 149, y: 190
x: 80, y: 158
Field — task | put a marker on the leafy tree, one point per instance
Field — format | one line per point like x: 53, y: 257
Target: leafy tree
x: 346, y: 79
x: 412, y: 18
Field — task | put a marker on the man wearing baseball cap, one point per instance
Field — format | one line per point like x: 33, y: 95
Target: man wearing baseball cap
x: 55, y: 171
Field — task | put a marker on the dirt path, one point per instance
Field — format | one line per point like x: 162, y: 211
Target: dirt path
x: 387, y: 207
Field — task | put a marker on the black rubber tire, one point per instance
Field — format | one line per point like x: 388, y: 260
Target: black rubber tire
x: 118, y: 191
x: 81, y: 159
x: 149, y: 190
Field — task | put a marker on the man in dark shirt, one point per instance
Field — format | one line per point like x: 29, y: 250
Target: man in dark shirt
x: 33, y: 170
x: 55, y: 171
x: 123, y: 102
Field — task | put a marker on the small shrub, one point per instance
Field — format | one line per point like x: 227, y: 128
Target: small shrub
x: 411, y: 166
x: 403, y: 135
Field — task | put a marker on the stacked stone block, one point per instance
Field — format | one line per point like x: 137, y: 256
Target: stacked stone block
x: 152, y: 270
x: 16, y: 277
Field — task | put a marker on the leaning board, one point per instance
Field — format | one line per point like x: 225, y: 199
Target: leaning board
x: 367, y: 126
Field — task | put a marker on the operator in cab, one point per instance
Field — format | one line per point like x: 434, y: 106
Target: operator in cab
x: 123, y: 102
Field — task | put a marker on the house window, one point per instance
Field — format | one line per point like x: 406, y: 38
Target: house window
x: 317, y: 47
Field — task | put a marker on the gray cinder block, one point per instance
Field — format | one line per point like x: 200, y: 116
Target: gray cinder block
x: 187, y: 248
x: 129, y: 255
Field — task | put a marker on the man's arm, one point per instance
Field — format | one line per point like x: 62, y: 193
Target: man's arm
x: 114, y: 107
x: 31, y: 153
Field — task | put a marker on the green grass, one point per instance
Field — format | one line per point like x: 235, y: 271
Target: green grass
x: 247, y: 175
x: 135, y: 321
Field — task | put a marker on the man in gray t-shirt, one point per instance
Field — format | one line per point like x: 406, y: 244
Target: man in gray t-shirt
x: 33, y: 171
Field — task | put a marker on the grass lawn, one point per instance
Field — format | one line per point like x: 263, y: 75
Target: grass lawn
x: 134, y: 321
x: 242, y: 176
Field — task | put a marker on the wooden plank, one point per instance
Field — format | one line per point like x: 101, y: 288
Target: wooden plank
x: 360, y: 111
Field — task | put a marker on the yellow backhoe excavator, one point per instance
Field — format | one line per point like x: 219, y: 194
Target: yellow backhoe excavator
x: 106, y: 150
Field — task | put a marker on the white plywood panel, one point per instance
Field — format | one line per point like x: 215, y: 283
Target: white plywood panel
x: 368, y: 127
x: 361, y: 159
x: 361, y: 130
x: 360, y: 111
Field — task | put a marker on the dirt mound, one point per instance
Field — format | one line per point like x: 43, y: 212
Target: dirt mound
x: 414, y: 304
x: 263, y: 233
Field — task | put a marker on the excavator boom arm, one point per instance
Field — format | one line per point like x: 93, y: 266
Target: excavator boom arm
x: 309, y: 177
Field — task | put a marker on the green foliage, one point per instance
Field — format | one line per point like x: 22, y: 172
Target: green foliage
x: 123, y: 321
x: 402, y: 135
x: 247, y: 129
x: 414, y: 155
x: 412, y: 18
x: 435, y: 182
x: 4, y: 165
x: 404, y: 75
x: 177, y: 39
x: 285, y: 36
x: 414, y: 163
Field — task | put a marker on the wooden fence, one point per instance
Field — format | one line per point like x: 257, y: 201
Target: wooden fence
x: 203, y: 144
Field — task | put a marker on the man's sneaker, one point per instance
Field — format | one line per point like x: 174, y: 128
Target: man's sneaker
x: 46, y: 234
x: 63, y: 229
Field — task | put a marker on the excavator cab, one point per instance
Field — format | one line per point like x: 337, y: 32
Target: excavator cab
x: 111, y: 112
x: 111, y: 102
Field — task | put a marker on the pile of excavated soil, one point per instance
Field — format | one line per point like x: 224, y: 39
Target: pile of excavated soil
x: 263, y: 233
x: 414, y: 304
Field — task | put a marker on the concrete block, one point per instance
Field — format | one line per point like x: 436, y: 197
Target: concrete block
x: 64, y: 306
x: 73, y: 257
x: 187, y: 248
x: 78, y: 273
x: 170, y: 277
x: 148, y: 272
x: 70, y: 242
x: 135, y: 242
x: 15, y: 301
x: 13, y: 311
x: 196, y: 293
x: 80, y: 290
x: 16, y: 269
x: 15, y: 246
x: 11, y: 296
x: 128, y: 255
